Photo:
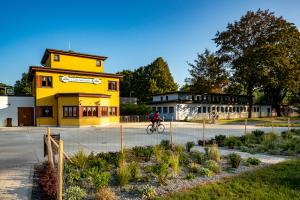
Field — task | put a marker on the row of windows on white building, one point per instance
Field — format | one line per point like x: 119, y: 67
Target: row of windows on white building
x: 208, y: 109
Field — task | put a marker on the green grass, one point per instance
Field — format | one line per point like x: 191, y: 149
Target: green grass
x: 278, y: 125
x: 279, y: 181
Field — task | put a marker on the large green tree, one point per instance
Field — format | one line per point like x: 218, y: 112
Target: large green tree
x: 207, y: 74
x: 23, y: 86
x: 148, y: 80
x: 251, y: 46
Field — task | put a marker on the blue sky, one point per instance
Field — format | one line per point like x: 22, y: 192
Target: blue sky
x: 131, y: 33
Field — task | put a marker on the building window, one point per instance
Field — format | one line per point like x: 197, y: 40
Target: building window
x: 167, y: 98
x: 257, y: 109
x: 241, y: 109
x: 226, y: 109
x: 199, y: 109
x: 104, y: 111
x: 46, y: 111
x: 269, y: 110
x: 237, y: 109
x: 233, y: 109
x: 230, y: 109
x: 70, y: 111
x: 254, y: 109
x: 89, y: 111
x: 159, y: 109
x: 165, y: 109
x: 208, y: 109
x: 112, y: 85
x: 171, y: 109
x: 198, y: 98
x: 113, y: 111
x: 218, y: 109
x: 56, y: 57
x: 46, y: 81
x: 204, y: 109
x: 161, y: 98
x: 98, y: 63
x: 222, y: 109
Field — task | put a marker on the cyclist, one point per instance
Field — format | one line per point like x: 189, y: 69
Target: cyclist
x: 155, y: 118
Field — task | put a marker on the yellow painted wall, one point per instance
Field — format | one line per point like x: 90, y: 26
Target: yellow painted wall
x: 76, y: 63
x: 46, y: 97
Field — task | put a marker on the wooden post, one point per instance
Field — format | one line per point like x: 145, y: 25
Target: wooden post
x: 272, y: 125
x: 203, y: 132
x: 171, y: 135
x: 49, y: 148
x: 245, y: 126
x: 289, y: 124
x: 121, y: 137
x: 60, y: 169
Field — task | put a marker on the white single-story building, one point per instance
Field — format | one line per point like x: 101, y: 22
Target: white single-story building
x: 187, y: 106
x: 16, y: 110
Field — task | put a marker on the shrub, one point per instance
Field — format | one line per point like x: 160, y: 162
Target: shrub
x: 174, y: 164
x: 135, y: 170
x: 286, y: 135
x: 205, y: 172
x: 214, y: 153
x: 147, y: 192
x: 161, y: 171
x: 190, y: 176
x: 101, y: 180
x: 253, y: 161
x: 73, y: 176
x: 47, y: 180
x: 213, y: 166
x: 105, y: 193
x: 74, y: 193
x: 123, y: 173
x: 295, y: 131
x: 80, y: 159
x: 232, y: 142
x: 198, y: 157
x: 194, y: 167
x: 234, y: 160
x: 220, y: 139
x: 270, y: 141
x: 258, y: 133
x: 189, y: 146
x: 143, y: 152
x: 158, y: 152
x: 179, y: 149
x: 110, y: 157
x: 184, y: 159
x: 165, y: 144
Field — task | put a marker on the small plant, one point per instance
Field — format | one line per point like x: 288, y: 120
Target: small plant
x: 74, y: 193
x: 253, y: 161
x: 165, y: 144
x: 205, y: 172
x: 80, y: 159
x: 190, y: 176
x: 184, y: 159
x: 213, y: 166
x: 270, y: 141
x: 194, y: 167
x: 143, y: 152
x: 220, y: 139
x: 179, y: 149
x: 286, y: 135
x: 47, y: 180
x: 123, y: 172
x: 158, y: 152
x: 174, y: 164
x: 214, y: 153
x: 105, y: 193
x: 101, y: 180
x: 258, y: 133
x: 232, y: 142
x: 234, y: 160
x: 198, y: 157
x: 189, y: 146
x: 161, y: 171
x: 206, y: 149
x: 135, y: 170
x: 147, y: 192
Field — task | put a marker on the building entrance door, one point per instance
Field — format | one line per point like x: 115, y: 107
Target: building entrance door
x: 25, y: 116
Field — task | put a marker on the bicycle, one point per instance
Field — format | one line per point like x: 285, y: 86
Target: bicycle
x: 160, y: 128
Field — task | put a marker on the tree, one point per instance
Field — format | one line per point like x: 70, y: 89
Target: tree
x: 148, y: 80
x: 23, y: 86
x: 247, y: 47
x: 207, y: 74
x: 2, y: 88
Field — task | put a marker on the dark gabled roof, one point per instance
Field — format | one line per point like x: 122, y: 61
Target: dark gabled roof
x: 67, y: 71
x: 71, y: 53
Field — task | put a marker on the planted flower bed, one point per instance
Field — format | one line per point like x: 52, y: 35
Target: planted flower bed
x: 145, y: 172
x: 288, y: 143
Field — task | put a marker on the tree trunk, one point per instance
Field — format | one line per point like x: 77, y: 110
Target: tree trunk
x: 277, y: 109
x: 250, y: 99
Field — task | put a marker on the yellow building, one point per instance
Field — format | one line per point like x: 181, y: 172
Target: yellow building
x: 71, y: 89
